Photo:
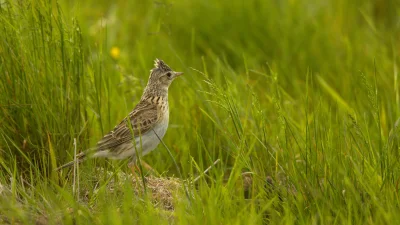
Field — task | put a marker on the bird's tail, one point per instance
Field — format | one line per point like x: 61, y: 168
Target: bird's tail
x: 79, y: 158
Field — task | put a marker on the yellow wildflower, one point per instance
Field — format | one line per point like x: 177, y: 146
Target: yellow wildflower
x: 115, y: 52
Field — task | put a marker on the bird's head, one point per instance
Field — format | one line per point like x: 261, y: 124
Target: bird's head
x: 162, y: 74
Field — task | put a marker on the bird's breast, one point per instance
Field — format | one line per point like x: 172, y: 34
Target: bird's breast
x: 152, y: 138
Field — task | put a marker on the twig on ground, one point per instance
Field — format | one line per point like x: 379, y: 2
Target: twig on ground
x: 75, y: 187
x: 205, y: 171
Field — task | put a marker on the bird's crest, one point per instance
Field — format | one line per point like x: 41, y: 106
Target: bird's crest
x: 159, y: 64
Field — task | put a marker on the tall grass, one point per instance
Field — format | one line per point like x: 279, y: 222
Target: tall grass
x: 299, y: 97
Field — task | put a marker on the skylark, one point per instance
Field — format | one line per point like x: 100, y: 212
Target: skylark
x: 142, y: 130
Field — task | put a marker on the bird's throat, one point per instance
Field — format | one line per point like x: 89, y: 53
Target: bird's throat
x: 156, y: 90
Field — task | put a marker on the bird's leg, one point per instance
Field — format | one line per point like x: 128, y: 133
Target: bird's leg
x: 133, y: 166
x: 149, y: 168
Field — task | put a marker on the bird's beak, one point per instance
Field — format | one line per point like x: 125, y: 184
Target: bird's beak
x: 177, y: 74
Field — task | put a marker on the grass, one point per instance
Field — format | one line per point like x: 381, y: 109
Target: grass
x: 298, y: 99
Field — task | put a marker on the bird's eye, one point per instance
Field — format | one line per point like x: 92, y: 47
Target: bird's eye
x: 169, y: 74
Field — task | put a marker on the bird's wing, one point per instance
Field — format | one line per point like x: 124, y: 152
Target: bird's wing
x: 142, y: 118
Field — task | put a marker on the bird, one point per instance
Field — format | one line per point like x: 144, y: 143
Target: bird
x: 142, y: 130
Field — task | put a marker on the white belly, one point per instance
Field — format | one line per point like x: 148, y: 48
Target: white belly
x: 150, y: 140
x: 146, y: 143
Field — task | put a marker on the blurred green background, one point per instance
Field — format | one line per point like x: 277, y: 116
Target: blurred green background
x: 306, y: 92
